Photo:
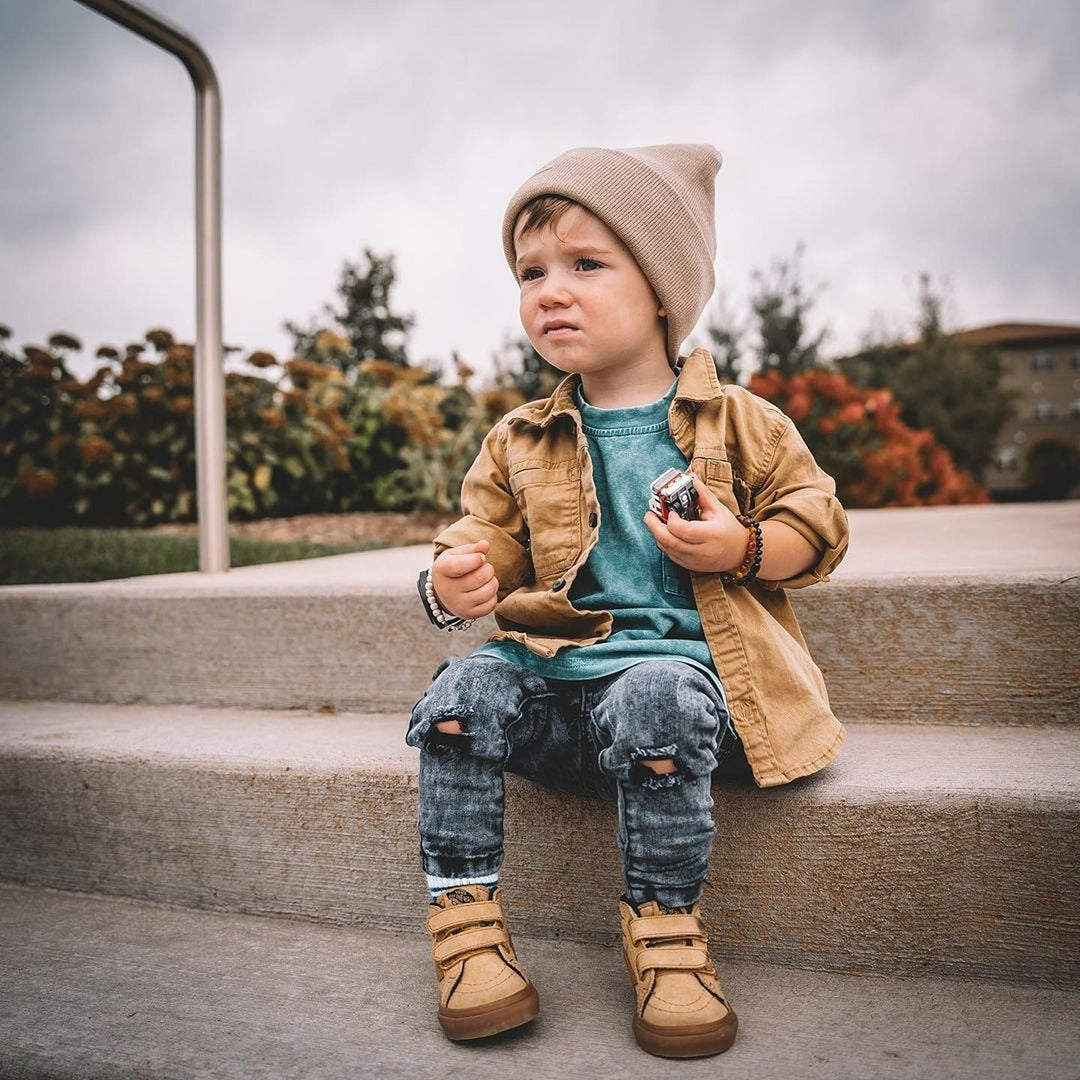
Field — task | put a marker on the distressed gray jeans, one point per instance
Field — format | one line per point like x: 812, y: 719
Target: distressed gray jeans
x: 587, y: 737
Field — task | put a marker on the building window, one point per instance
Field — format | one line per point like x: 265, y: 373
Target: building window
x: 1043, y: 410
x: 1042, y: 361
x: 1008, y: 459
x: 1074, y: 408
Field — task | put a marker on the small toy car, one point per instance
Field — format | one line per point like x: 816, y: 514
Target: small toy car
x: 673, y: 492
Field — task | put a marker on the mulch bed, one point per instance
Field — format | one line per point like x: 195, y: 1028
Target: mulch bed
x: 397, y: 529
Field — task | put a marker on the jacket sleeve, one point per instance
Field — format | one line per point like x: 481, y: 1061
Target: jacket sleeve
x: 491, y: 513
x: 792, y: 488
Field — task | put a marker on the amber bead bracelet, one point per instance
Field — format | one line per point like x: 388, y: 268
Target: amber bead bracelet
x: 751, y: 564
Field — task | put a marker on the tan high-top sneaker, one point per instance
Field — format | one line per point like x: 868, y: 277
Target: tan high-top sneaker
x: 681, y: 1009
x: 482, y: 989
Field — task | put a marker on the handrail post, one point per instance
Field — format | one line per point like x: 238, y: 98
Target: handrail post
x: 213, y: 514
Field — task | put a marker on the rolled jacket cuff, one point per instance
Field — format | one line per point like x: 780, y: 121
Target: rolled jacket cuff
x: 830, y: 553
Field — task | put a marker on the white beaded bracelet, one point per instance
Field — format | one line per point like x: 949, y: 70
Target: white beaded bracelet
x: 440, y: 618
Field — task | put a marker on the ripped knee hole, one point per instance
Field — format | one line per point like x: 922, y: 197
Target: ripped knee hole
x: 660, y: 766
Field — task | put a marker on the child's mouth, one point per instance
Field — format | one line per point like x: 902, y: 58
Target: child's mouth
x: 558, y: 329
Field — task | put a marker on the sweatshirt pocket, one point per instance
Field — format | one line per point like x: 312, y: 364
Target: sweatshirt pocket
x: 676, y: 579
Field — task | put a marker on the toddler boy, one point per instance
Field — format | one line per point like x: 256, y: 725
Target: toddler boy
x: 631, y: 654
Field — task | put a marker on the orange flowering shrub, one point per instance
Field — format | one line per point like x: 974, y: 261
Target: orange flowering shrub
x: 857, y: 436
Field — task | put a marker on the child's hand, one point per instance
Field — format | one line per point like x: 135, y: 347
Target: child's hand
x: 464, y: 581
x: 715, y: 543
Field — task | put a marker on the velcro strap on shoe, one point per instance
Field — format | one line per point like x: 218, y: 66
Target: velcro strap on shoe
x: 466, y: 915
x: 684, y: 959
x: 481, y: 937
x: 666, y: 927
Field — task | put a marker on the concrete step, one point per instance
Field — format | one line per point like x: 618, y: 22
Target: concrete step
x: 923, y: 850
x: 105, y: 988
x: 347, y: 632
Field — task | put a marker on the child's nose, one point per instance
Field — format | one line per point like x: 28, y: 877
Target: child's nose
x: 553, y: 292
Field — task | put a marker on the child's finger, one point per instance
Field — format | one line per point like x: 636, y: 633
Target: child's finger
x: 479, y: 610
x: 480, y: 547
x: 459, y: 561
x: 477, y: 579
x: 657, y: 528
x: 484, y: 593
x: 458, y: 566
x: 688, y: 532
x: 708, y: 503
x: 665, y: 539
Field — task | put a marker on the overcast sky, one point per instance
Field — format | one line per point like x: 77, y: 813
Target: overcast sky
x: 893, y: 138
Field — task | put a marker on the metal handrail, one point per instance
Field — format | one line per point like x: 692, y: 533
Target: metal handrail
x: 213, y: 513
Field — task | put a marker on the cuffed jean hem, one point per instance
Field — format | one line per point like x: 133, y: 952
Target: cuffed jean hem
x: 460, y: 867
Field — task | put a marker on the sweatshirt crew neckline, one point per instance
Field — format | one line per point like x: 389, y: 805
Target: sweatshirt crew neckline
x: 628, y: 420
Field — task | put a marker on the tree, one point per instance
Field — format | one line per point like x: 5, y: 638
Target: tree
x: 952, y: 389
x: 781, y: 307
x: 365, y: 328
x: 1051, y: 469
x: 518, y: 366
x: 725, y: 340
x: 778, y: 326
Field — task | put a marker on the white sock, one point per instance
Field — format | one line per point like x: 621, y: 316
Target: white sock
x: 437, y: 885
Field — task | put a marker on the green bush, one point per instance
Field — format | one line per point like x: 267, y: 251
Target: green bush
x: 1051, y: 470
x: 119, y: 448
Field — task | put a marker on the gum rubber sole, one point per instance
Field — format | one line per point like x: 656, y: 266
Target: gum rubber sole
x: 691, y: 1043
x: 501, y: 1016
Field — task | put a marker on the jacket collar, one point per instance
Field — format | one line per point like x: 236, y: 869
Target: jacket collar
x: 697, y: 383
x: 697, y: 378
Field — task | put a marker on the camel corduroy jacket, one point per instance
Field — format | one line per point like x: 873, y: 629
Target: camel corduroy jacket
x: 531, y: 494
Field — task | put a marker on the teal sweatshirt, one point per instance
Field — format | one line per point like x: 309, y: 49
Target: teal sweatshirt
x: 649, y: 596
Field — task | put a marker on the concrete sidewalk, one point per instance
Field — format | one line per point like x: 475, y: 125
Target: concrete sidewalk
x: 945, y: 541
x: 110, y: 988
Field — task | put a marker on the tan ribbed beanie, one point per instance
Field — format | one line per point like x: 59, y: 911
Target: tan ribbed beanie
x: 659, y: 201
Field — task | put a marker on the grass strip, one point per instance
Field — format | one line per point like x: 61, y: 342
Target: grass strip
x: 70, y: 553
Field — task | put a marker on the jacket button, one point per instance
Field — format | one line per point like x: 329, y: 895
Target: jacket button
x: 593, y: 519
x: 559, y: 585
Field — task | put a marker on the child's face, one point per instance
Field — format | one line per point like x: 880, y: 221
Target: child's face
x: 585, y: 304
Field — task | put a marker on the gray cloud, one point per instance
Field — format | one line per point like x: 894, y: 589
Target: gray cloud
x: 890, y: 138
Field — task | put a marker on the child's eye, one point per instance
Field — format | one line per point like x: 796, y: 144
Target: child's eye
x: 588, y: 264
x: 531, y: 274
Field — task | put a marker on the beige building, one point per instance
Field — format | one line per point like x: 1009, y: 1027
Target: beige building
x: 1041, y: 364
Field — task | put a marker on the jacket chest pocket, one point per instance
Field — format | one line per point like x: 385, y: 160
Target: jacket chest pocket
x: 730, y: 489
x: 549, y: 496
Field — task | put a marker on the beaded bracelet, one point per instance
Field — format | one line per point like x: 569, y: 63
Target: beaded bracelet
x: 755, y: 547
x: 440, y: 618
